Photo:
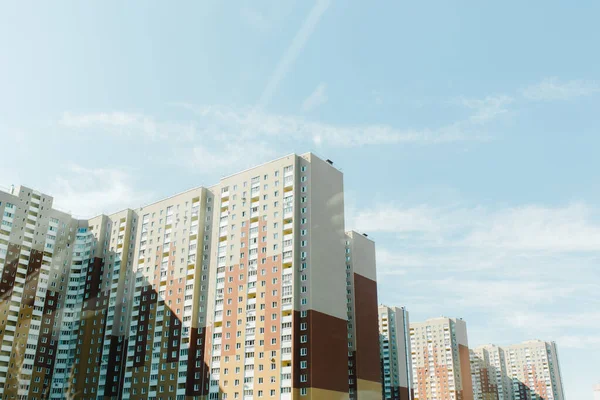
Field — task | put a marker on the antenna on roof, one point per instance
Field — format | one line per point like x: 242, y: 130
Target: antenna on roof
x: 329, y: 161
x: 365, y: 235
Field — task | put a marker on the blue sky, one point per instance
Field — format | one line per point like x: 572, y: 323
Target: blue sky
x: 468, y: 133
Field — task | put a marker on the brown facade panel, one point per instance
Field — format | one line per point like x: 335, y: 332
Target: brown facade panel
x: 31, y: 279
x: 403, y: 393
x: 116, y: 367
x: 93, y: 295
x: 196, y: 381
x: 327, y: 358
x: 148, y: 297
x: 368, y: 364
x: 465, y: 371
x: 7, y: 280
x: 173, y: 340
x: 46, y: 344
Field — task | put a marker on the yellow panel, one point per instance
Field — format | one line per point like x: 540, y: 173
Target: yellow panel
x: 322, y: 394
x: 368, y: 390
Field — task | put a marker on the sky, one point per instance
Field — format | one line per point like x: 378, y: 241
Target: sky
x: 468, y: 134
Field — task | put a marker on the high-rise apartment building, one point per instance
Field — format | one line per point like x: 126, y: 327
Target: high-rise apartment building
x: 280, y: 324
x: 250, y: 288
x: 395, y: 353
x: 363, y: 338
x: 534, y: 370
x: 525, y: 371
x: 43, y: 258
x: 440, y: 360
x: 488, y: 372
x: 166, y: 339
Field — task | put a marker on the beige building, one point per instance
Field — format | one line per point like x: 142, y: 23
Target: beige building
x: 283, y: 268
x: 597, y: 392
x: 534, y: 369
x: 363, y: 338
x: 488, y: 372
x: 43, y: 257
x: 395, y: 353
x: 440, y: 360
x: 245, y: 289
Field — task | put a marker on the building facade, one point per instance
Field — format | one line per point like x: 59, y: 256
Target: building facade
x: 363, y: 338
x: 43, y: 258
x: 246, y: 289
x: 280, y: 324
x: 534, y: 370
x: 488, y: 372
x: 597, y: 392
x: 395, y: 353
x: 440, y: 360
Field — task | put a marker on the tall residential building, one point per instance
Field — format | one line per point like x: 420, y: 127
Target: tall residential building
x: 395, y: 353
x: 165, y: 345
x: 43, y: 257
x: 250, y: 288
x: 534, y: 369
x: 440, y: 360
x: 279, y: 325
x: 488, y: 372
x: 363, y: 337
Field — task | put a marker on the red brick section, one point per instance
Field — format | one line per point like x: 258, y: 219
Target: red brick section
x: 465, y: 370
x: 367, y: 329
x: 539, y: 386
x: 440, y: 376
x: 327, y: 357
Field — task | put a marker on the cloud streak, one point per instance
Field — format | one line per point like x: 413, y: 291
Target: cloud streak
x: 552, y: 89
x: 316, y: 98
x: 488, y: 108
x: 294, y: 50
x: 252, y: 123
x: 128, y: 124
x: 570, y: 228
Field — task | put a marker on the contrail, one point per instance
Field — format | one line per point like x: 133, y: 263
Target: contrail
x: 294, y: 50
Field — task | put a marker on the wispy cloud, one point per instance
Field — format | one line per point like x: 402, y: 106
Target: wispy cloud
x: 585, y: 342
x: 128, y: 124
x: 488, y: 108
x: 532, y: 267
x: 316, y: 98
x: 553, y: 89
x: 294, y: 50
x: 228, y: 158
x: 250, y: 122
x: 86, y: 192
x: 570, y: 228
